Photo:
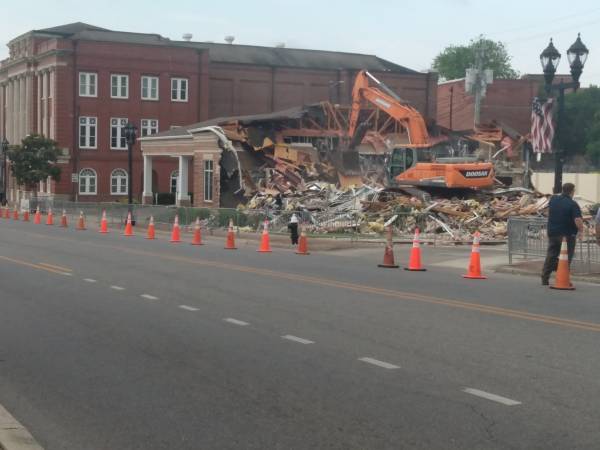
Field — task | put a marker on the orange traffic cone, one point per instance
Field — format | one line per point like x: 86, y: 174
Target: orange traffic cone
x: 563, y: 274
x: 103, y: 223
x: 474, y: 271
x: 50, y: 217
x: 197, y: 240
x: 26, y: 216
x: 151, y: 232
x: 6, y: 212
x: 37, y: 219
x: 265, y: 241
x: 230, y: 244
x: 2, y: 209
x: 388, y: 254
x: 414, y: 264
x: 63, y: 219
x: 81, y: 222
x: 175, y: 234
x: 302, y: 244
x: 16, y: 214
x: 128, y: 226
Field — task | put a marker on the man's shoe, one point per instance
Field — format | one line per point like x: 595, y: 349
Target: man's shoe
x: 545, y: 282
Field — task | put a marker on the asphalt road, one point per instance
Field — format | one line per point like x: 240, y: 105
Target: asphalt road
x: 109, y: 342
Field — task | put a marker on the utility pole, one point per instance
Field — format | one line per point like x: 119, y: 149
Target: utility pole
x: 477, y: 79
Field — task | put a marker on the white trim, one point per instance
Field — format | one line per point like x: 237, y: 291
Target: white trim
x: 120, y: 137
x: 164, y: 138
x: 150, y: 78
x: 88, y: 135
x: 88, y: 77
x: 179, y: 89
x: 148, y: 127
x: 87, y: 192
x: 119, y: 85
x: 119, y: 181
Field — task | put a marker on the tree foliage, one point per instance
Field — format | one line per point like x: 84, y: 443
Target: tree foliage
x: 580, y: 132
x: 454, y: 60
x: 33, y: 160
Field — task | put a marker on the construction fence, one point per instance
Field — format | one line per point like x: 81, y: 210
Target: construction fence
x: 528, y: 240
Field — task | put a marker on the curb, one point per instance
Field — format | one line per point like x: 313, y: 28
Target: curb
x: 515, y: 271
x: 13, y: 435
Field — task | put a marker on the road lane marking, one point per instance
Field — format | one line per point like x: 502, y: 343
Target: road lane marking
x: 396, y: 294
x: 13, y: 435
x: 149, y: 297
x: 492, y: 397
x: 241, y: 323
x: 117, y: 288
x: 188, y: 308
x: 89, y: 280
x: 32, y: 265
x: 300, y: 340
x: 54, y: 266
x: 376, y: 362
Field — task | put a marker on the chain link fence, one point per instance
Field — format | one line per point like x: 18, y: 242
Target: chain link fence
x: 528, y: 240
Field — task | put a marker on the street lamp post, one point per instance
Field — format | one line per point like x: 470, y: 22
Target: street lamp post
x: 130, y: 138
x: 4, y: 170
x: 550, y: 57
x: 332, y: 85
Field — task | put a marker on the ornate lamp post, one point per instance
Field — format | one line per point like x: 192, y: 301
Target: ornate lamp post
x: 4, y: 147
x: 550, y: 57
x: 130, y: 137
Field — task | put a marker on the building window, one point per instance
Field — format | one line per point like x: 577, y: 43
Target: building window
x: 149, y: 127
x: 174, y: 180
x: 149, y: 88
x: 119, y: 86
x: 87, y: 84
x: 117, y: 134
x: 208, y: 180
x: 87, y: 132
x: 118, y: 182
x: 179, y: 89
x: 87, y: 182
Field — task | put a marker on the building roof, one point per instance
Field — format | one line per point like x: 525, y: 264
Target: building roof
x: 237, y: 54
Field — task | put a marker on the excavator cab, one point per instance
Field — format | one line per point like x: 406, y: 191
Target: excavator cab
x: 400, y: 159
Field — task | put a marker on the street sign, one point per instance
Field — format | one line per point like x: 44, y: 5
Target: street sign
x: 74, y: 178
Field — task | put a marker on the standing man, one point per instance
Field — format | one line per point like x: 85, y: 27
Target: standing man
x: 564, y: 221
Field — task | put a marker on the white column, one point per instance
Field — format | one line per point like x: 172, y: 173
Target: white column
x: 9, y: 111
x: 182, y: 181
x: 22, y: 107
x: 45, y: 104
x: 51, y: 107
x: 16, y: 112
x: 39, y: 103
x: 147, y: 177
x: 28, y: 103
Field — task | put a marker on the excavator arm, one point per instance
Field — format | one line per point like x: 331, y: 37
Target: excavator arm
x: 386, y: 100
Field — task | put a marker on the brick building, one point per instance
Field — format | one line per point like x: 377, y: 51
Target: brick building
x: 79, y: 84
x: 506, y: 101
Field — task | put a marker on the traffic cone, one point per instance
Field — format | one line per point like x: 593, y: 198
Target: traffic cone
x: 6, y: 212
x: 37, y: 218
x: 197, y: 240
x: 81, y: 222
x: 302, y: 244
x: 50, y: 217
x: 563, y: 274
x: 230, y: 244
x: 103, y: 223
x: 26, y: 216
x: 414, y: 264
x: 150, y: 233
x: 474, y: 271
x: 265, y: 241
x: 2, y: 212
x: 128, y: 226
x: 388, y: 254
x: 63, y: 219
x: 16, y: 214
x: 175, y: 234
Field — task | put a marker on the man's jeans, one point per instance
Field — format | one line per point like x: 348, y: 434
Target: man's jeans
x: 554, y: 244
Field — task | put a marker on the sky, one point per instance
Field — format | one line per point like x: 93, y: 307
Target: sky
x: 409, y: 33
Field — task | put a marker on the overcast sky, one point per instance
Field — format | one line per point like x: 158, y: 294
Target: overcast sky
x: 409, y: 33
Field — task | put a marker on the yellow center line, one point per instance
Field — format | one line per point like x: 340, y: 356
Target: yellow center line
x: 32, y: 265
x: 401, y: 295
x: 54, y: 266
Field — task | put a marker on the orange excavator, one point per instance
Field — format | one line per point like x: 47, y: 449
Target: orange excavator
x: 406, y: 165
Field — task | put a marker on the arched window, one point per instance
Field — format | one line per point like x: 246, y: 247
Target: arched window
x: 87, y: 182
x: 174, y: 178
x: 118, y: 182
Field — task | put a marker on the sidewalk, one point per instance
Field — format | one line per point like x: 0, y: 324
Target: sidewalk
x: 534, y: 268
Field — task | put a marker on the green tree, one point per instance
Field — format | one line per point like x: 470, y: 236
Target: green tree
x: 34, y: 161
x: 580, y: 132
x: 454, y: 60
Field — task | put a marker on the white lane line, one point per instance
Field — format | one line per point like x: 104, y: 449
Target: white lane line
x: 188, y: 308
x: 376, y: 362
x: 300, y: 340
x: 89, y: 280
x: 68, y: 274
x: 492, y: 397
x: 241, y: 323
x: 117, y: 288
x: 149, y: 297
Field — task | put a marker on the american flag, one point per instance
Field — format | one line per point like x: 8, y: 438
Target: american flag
x: 542, y: 126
